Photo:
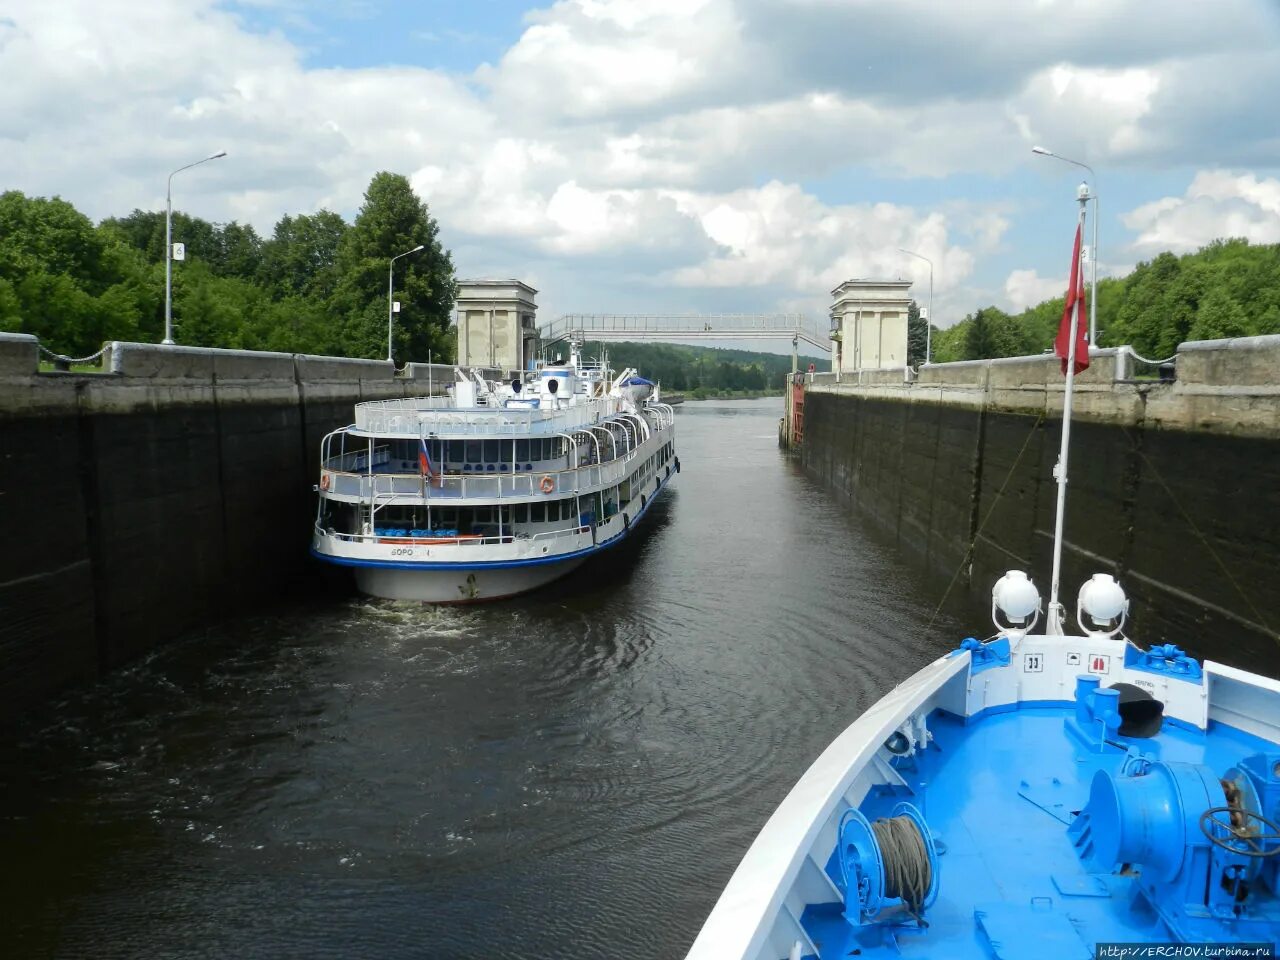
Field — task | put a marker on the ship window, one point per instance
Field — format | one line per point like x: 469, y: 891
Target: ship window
x: 473, y: 451
x: 491, y: 451
x: 522, y: 513
x: 455, y: 451
x: 522, y: 450
x: 537, y: 512
x: 504, y: 450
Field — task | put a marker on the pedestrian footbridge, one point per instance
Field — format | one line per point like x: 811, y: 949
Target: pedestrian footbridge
x: 710, y: 326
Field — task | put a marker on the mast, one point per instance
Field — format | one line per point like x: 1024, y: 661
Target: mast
x: 1056, y: 617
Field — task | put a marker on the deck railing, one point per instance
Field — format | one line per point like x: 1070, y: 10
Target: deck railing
x: 489, y: 486
x: 427, y: 416
x: 459, y: 541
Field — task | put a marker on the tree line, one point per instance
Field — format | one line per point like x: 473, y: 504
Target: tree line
x: 316, y: 285
x: 1230, y: 288
x: 704, y: 371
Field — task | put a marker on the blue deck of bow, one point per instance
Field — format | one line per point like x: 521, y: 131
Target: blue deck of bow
x: 997, y: 793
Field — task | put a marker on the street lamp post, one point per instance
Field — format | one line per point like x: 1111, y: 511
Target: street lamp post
x: 391, y: 272
x: 1093, y: 268
x: 168, y: 246
x: 928, y: 321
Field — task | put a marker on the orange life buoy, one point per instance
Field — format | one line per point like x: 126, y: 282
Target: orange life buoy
x: 547, y: 484
x: 324, y: 481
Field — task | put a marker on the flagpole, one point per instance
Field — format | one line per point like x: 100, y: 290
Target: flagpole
x: 1057, y: 618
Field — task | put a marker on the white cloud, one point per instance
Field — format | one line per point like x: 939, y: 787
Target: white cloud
x: 666, y: 151
x: 1216, y: 204
x: 778, y: 237
x: 596, y: 59
x: 1026, y: 288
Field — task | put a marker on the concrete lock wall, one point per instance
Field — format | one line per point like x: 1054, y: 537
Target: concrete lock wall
x: 144, y: 502
x: 1174, y: 488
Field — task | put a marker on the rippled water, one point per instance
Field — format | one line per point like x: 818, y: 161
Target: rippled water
x: 571, y: 774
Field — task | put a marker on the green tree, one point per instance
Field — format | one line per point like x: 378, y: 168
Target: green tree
x: 988, y: 335
x: 917, y: 335
x: 144, y: 231
x: 392, y: 221
x: 949, y: 343
x: 1219, y: 316
x: 66, y: 281
x: 238, y: 251
x: 301, y: 258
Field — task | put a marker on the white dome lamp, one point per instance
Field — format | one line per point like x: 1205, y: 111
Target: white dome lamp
x: 1017, y: 598
x: 1104, y: 602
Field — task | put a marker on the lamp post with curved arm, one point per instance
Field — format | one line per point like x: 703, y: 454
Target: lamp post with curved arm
x: 391, y: 271
x: 168, y: 246
x: 1093, y: 268
x: 928, y: 321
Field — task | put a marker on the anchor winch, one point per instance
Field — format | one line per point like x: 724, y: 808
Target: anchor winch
x: 1206, y: 849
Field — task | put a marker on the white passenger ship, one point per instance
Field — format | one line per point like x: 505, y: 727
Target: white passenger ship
x: 496, y: 489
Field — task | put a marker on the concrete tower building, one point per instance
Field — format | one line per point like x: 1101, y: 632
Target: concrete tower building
x: 869, y: 324
x: 496, y: 324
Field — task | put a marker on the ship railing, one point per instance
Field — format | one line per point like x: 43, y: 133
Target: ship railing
x: 489, y: 486
x: 416, y: 418
x: 462, y: 540
x: 358, y: 460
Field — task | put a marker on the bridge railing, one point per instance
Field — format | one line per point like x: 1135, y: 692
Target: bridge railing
x: 690, y: 326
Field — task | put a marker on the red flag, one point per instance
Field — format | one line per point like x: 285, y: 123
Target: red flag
x: 1075, y: 294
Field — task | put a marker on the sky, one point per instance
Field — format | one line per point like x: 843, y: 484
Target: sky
x: 674, y: 156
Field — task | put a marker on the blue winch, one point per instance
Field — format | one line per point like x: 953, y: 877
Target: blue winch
x: 1206, y: 849
x: 889, y: 866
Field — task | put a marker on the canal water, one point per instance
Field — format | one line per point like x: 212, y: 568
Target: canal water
x: 573, y: 774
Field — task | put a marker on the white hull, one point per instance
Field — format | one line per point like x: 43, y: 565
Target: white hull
x: 459, y: 586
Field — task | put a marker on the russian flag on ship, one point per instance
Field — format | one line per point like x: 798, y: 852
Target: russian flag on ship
x: 425, y: 465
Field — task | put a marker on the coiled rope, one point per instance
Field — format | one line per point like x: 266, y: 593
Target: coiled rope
x: 907, y: 872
